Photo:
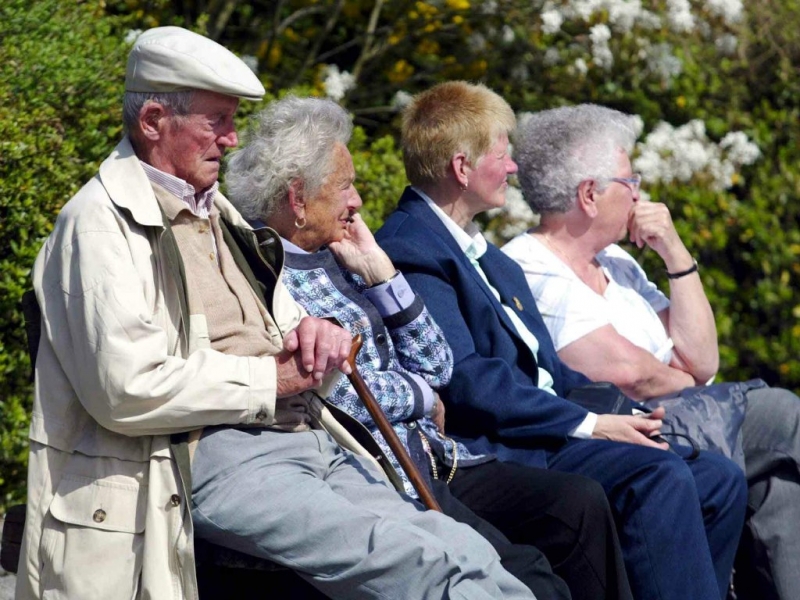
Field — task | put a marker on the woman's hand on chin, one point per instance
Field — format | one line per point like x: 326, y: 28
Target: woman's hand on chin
x: 359, y: 253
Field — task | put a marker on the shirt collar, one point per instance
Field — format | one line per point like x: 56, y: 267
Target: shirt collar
x: 469, y: 239
x: 199, y: 204
x: 293, y: 248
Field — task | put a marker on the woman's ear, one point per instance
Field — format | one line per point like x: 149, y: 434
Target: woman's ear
x: 586, y: 201
x: 296, y: 200
x: 459, y: 165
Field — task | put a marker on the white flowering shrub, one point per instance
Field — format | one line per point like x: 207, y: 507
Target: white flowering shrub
x: 594, y: 32
x: 337, y: 83
x: 511, y: 220
x: 669, y: 154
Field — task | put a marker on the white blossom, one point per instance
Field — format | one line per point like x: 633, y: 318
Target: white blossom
x: 679, y: 15
x: 551, y: 57
x: 601, y: 53
x: 551, y: 21
x: 730, y: 10
x: 517, y: 215
x: 663, y: 63
x: 623, y: 15
x: 507, y: 34
x: 251, y: 61
x: 600, y: 34
x: 586, y: 8
x: 489, y: 7
x: 670, y: 154
x: 337, y: 83
x: 637, y: 124
x: 580, y: 66
x: 649, y: 20
x: 401, y: 99
x: 476, y: 42
x: 726, y: 44
x: 739, y: 148
x: 520, y: 72
x: 131, y: 35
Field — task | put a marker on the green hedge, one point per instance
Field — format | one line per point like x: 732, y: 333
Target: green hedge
x: 61, y: 77
x: 61, y: 70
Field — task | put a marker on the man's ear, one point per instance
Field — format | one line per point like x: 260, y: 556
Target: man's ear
x: 586, y: 201
x: 152, y: 118
x: 296, y: 200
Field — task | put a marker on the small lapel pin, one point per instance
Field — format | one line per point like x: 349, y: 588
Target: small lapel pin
x: 518, y: 303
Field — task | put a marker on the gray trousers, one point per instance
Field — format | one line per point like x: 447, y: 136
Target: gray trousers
x: 771, y: 443
x: 301, y: 501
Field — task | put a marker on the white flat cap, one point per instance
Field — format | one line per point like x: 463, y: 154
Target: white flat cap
x: 172, y: 59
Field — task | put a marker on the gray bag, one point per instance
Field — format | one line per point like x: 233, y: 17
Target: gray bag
x: 711, y: 415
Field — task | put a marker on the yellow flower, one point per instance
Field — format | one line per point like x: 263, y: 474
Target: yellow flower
x: 400, y: 71
x: 275, y: 54
x: 680, y: 101
x: 428, y: 46
x: 458, y: 4
x: 425, y: 9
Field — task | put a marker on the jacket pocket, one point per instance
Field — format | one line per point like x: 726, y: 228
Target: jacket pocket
x: 93, y: 536
x: 105, y: 505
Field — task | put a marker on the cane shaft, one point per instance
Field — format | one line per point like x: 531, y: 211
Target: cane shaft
x: 388, y: 432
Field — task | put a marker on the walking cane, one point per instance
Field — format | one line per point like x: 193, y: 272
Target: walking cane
x: 388, y: 432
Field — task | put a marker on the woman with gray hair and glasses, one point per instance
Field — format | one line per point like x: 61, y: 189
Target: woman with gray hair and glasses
x: 610, y: 322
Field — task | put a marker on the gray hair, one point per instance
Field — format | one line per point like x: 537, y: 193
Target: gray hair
x: 291, y: 139
x: 180, y: 103
x: 557, y: 149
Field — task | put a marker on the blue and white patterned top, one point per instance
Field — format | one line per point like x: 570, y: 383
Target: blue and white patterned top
x: 402, y: 354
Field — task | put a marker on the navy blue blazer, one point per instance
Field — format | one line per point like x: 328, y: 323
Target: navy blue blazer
x: 493, y: 402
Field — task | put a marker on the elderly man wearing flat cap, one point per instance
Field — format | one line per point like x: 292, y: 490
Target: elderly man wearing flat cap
x: 176, y: 395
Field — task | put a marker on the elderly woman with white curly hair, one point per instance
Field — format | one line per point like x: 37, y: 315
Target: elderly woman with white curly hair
x: 610, y: 322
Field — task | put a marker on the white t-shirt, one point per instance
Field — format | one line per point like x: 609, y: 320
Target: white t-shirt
x: 571, y: 309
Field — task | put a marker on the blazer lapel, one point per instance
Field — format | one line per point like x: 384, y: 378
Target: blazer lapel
x: 494, y: 271
x: 415, y: 206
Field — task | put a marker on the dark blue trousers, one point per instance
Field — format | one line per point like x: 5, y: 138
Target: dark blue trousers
x: 679, y: 520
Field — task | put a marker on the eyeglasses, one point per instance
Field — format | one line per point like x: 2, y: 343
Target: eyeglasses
x: 633, y: 182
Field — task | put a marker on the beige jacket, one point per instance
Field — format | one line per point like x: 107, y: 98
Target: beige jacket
x: 116, y: 374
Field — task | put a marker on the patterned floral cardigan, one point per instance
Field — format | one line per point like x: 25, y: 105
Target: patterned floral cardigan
x: 404, y: 356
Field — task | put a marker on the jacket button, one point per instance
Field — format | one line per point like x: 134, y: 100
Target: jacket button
x: 380, y: 338
x: 412, y: 425
x: 99, y: 515
x: 175, y: 500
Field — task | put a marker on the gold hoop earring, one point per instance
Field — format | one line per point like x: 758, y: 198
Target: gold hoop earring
x: 298, y: 223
